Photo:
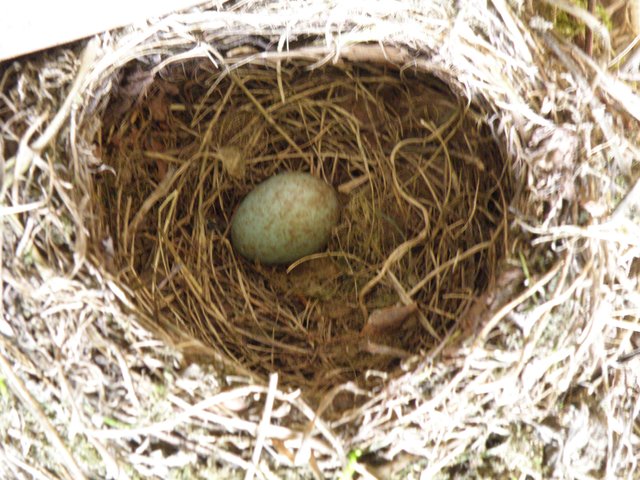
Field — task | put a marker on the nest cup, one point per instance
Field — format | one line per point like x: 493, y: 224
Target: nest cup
x: 423, y: 189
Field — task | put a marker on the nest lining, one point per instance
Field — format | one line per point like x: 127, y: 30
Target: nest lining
x: 423, y: 190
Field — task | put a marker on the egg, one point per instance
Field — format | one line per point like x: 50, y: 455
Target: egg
x: 284, y: 218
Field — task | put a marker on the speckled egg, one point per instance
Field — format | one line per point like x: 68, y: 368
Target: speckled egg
x: 284, y: 218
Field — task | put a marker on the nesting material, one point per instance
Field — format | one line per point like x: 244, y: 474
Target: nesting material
x: 423, y: 193
x: 474, y: 314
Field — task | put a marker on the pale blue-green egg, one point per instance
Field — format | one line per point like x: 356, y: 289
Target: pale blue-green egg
x: 285, y: 218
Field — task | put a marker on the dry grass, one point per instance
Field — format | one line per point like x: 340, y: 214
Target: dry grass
x: 485, y: 175
x: 424, y: 213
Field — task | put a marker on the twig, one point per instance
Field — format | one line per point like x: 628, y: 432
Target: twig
x: 264, y: 426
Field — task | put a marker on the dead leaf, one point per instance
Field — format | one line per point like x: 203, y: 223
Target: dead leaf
x: 233, y: 161
x: 482, y: 307
x: 170, y: 88
x: 385, y: 319
x: 159, y: 107
x: 379, y: 349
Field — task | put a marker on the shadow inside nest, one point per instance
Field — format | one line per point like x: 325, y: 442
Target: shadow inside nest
x: 423, y: 190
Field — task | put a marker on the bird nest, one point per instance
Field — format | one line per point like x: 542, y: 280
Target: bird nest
x: 454, y: 323
x: 423, y: 188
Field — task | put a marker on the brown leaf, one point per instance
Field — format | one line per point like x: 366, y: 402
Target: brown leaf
x: 159, y: 107
x: 378, y: 349
x: 385, y: 319
x: 498, y: 294
x: 170, y: 88
x: 233, y: 161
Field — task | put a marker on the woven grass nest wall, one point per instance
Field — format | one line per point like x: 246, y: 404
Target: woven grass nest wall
x: 473, y: 315
x: 422, y: 189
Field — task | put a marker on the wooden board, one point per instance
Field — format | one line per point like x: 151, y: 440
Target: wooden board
x: 30, y: 25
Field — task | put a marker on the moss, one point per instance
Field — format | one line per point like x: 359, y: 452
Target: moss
x: 4, y: 391
x: 570, y: 27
